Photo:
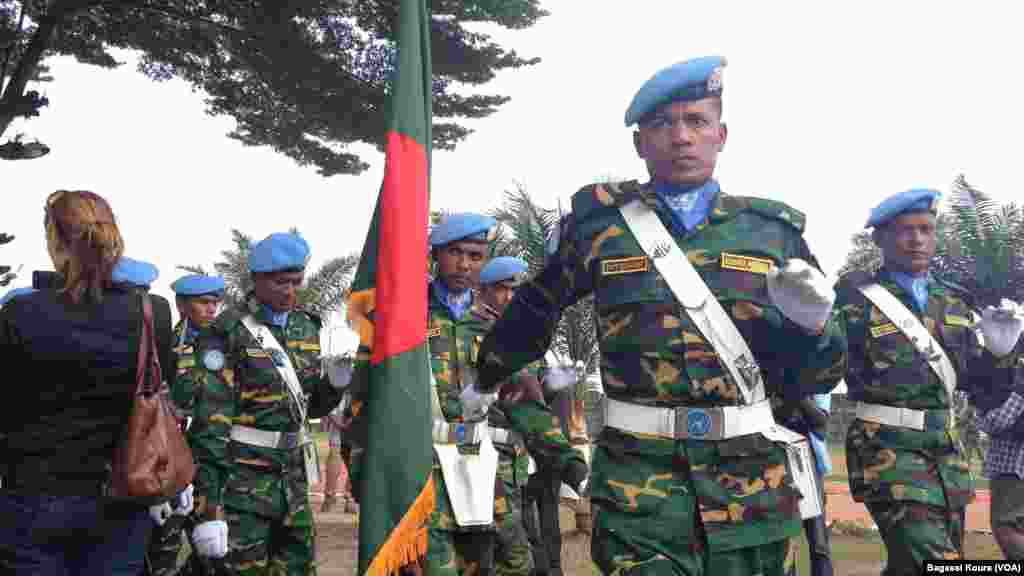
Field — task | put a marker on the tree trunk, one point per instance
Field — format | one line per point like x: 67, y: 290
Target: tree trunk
x: 26, y: 67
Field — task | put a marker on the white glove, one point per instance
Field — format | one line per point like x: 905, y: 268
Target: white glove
x: 160, y: 513
x: 802, y: 293
x: 211, y: 539
x: 560, y: 377
x: 185, y: 501
x: 475, y: 404
x: 1001, y: 327
x: 339, y: 371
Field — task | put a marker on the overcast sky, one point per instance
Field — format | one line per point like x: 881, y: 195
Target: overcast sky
x: 830, y: 108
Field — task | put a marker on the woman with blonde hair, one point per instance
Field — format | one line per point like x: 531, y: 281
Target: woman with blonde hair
x: 69, y: 355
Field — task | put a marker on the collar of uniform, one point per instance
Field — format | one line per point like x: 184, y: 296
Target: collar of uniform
x: 457, y: 305
x: 917, y: 287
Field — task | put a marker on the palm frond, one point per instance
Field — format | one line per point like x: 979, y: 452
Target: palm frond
x: 324, y: 290
x: 192, y: 269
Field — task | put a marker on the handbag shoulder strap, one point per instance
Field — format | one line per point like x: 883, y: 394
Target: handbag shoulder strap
x: 147, y: 362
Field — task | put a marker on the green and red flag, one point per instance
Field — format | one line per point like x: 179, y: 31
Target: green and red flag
x: 397, y: 494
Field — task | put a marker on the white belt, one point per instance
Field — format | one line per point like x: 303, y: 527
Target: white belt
x: 505, y: 436
x: 458, y: 432
x: 891, y: 415
x: 268, y: 438
x: 715, y: 423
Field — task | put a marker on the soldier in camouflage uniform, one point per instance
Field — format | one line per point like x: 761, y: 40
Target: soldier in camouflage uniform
x: 905, y: 461
x: 521, y: 410
x: 198, y: 299
x: 259, y: 378
x: 687, y: 499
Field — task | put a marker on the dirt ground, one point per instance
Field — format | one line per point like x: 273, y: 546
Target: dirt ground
x: 857, y: 550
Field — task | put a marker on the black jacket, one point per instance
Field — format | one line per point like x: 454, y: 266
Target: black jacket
x: 69, y: 378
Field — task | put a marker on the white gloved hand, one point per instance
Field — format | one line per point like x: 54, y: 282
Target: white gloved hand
x: 160, y: 513
x: 560, y: 377
x: 184, y: 505
x: 802, y: 293
x: 211, y: 539
x: 475, y: 404
x: 1002, y: 327
x: 339, y: 371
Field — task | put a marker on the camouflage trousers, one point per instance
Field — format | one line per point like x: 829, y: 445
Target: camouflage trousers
x: 914, y: 532
x: 647, y: 520
x: 165, y: 547
x: 270, y: 523
x: 452, y: 551
x: 512, y: 555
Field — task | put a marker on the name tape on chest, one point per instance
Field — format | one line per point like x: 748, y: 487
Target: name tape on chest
x: 632, y: 264
x: 952, y: 320
x: 884, y: 330
x: 745, y: 263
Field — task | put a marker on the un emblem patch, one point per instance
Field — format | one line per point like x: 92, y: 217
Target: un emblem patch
x: 698, y: 423
x: 278, y: 358
x: 460, y: 433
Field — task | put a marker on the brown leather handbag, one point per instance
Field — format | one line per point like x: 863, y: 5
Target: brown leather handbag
x: 153, y: 462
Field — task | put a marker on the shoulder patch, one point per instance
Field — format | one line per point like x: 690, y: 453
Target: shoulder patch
x: 594, y: 197
x: 774, y: 209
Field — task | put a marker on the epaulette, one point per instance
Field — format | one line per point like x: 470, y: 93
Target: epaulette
x: 594, y: 197
x: 316, y: 318
x: 769, y: 209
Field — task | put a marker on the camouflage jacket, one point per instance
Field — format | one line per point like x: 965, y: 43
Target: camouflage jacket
x: 888, y: 462
x: 247, y: 390
x: 453, y: 348
x: 651, y: 352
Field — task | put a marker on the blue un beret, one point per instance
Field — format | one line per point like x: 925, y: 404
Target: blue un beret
x: 466, y: 226
x: 687, y: 81
x: 15, y: 292
x: 198, y: 285
x: 279, y: 251
x: 915, y: 200
x: 504, y: 268
x: 134, y: 272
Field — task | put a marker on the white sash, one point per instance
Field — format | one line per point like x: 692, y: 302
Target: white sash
x: 695, y: 296
x: 923, y: 341
x: 266, y: 339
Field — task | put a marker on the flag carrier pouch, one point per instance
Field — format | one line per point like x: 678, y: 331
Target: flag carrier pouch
x: 277, y: 439
x: 754, y: 416
x: 469, y: 475
x: 925, y: 345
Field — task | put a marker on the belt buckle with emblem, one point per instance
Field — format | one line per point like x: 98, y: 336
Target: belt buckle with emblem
x: 278, y: 358
x: 698, y: 423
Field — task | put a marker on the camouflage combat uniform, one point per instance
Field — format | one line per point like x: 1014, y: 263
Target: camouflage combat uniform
x: 521, y: 408
x: 664, y: 506
x: 916, y: 484
x: 167, y: 542
x: 262, y: 493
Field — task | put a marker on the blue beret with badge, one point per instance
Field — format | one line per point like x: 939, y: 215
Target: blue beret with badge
x: 279, y: 251
x: 685, y: 81
x: 198, y: 285
x: 466, y: 227
x: 134, y: 273
x: 504, y: 268
x: 13, y: 292
x: 906, y: 202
